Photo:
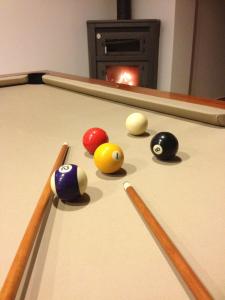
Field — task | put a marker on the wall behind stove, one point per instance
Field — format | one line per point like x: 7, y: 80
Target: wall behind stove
x: 48, y: 34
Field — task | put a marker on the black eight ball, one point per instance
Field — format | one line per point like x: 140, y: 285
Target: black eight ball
x: 164, y: 145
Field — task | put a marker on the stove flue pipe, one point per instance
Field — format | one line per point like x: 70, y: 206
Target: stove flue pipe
x: 123, y: 9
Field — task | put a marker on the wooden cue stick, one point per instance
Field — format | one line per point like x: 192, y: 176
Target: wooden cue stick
x: 14, y: 276
x: 188, y: 275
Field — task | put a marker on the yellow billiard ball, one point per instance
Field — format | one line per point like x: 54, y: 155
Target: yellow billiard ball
x: 108, y: 158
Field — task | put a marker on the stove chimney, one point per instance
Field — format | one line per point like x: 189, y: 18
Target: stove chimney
x: 123, y: 9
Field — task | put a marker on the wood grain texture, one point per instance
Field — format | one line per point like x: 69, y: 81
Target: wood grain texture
x: 14, y: 276
x: 190, y: 278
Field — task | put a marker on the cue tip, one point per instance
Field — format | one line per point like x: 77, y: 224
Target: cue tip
x: 126, y: 185
x: 65, y: 143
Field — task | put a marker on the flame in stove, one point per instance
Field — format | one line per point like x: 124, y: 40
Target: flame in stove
x: 123, y: 74
x: 126, y: 78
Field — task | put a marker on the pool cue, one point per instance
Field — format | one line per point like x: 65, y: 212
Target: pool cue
x: 187, y: 274
x: 15, y: 274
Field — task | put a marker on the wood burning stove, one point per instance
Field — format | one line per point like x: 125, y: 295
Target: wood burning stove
x: 124, y: 51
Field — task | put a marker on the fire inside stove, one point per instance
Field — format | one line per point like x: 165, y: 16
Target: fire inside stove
x: 123, y: 74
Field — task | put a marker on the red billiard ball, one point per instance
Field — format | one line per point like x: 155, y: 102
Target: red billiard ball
x: 93, y: 138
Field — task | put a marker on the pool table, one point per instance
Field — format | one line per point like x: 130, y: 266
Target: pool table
x: 101, y: 248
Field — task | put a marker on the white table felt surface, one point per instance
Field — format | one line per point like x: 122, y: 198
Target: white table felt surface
x: 103, y: 250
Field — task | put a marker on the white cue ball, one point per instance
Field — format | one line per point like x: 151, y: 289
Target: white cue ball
x: 136, y: 123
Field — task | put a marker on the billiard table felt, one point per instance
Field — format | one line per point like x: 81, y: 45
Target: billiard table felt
x: 103, y: 250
